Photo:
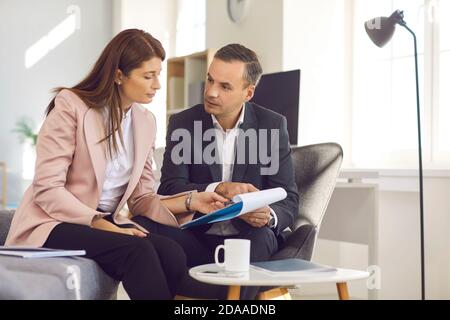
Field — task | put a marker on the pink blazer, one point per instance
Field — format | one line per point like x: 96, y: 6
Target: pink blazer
x: 70, y: 171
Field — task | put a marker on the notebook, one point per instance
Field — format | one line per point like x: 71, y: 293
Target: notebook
x: 27, y: 252
x: 291, y: 267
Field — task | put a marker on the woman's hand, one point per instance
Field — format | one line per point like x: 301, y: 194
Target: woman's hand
x: 131, y: 232
x: 206, y: 202
x: 105, y: 225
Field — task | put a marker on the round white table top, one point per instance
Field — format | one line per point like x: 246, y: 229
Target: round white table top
x: 261, y: 278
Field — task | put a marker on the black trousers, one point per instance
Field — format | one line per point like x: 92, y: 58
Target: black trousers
x: 149, y: 268
x: 199, y: 247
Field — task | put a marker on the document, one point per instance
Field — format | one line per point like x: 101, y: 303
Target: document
x: 291, y: 267
x: 241, y: 204
x: 28, y: 252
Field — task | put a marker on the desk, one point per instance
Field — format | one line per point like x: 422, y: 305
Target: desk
x: 352, y: 216
x: 260, y: 278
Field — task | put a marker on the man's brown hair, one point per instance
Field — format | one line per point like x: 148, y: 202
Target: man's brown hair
x: 237, y: 52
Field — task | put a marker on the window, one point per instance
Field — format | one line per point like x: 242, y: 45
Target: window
x: 384, y: 114
x: 442, y: 71
x: 191, y: 24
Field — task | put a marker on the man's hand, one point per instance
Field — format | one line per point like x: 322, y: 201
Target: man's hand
x: 258, y: 218
x: 230, y: 189
x: 105, y: 225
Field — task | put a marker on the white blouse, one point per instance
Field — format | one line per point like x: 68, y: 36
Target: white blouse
x: 118, y: 169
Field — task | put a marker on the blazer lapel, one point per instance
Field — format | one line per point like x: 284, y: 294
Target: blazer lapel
x: 143, y: 135
x: 93, y: 130
x: 249, y: 123
x: 215, y: 168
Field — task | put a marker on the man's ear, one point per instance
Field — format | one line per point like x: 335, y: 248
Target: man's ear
x: 250, y: 92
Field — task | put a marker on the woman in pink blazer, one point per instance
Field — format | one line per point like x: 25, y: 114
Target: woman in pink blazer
x: 94, y: 155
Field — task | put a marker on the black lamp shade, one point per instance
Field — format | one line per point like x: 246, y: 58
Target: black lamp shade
x: 380, y: 30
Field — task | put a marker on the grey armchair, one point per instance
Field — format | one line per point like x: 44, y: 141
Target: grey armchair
x: 316, y: 170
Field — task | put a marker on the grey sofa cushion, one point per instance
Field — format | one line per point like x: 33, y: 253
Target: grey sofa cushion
x: 26, y: 285
x: 51, y: 278
x: 59, y: 278
x: 10, y: 287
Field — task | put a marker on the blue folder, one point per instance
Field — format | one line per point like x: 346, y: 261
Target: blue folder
x: 223, y: 214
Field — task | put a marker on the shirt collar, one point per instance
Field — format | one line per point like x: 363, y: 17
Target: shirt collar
x: 238, y: 123
x: 127, y: 114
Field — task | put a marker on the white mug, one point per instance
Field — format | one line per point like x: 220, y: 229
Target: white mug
x: 236, y: 255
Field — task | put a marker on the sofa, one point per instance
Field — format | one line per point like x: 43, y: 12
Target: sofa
x: 59, y: 278
x: 71, y: 278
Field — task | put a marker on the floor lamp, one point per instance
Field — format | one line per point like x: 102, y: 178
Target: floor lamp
x: 380, y: 31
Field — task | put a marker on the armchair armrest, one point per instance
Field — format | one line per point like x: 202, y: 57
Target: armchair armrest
x: 298, y: 244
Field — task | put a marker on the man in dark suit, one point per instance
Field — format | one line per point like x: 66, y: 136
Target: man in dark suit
x: 230, y: 146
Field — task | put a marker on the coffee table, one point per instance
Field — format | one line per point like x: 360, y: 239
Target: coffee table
x: 260, y: 278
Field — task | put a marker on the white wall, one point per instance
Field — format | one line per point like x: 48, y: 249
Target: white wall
x: 26, y: 92
x: 159, y: 19
x: 314, y: 41
x: 437, y: 237
x: 399, y: 250
x: 261, y: 30
x: 400, y: 230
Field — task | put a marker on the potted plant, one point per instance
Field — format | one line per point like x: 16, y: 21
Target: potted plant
x: 25, y: 129
x: 28, y: 137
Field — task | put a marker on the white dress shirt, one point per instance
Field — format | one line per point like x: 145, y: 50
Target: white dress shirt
x: 226, y: 146
x: 118, y: 169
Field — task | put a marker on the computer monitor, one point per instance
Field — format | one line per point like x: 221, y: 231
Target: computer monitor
x: 280, y: 92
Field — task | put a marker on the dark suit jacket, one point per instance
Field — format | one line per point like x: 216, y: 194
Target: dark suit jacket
x: 183, y: 177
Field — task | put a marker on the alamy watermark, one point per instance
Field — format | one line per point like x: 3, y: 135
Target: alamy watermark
x: 374, y: 280
x: 431, y: 11
x: 73, y: 281
x: 253, y: 147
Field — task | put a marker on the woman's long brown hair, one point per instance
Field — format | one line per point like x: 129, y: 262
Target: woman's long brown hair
x: 125, y: 52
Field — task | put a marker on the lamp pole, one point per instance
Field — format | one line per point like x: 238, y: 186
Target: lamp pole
x: 380, y: 30
x: 422, y: 245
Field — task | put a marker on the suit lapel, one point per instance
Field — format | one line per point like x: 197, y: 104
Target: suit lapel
x: 214, y: 168
x: 249, y: 123
x: 143, y: 135
x: 93, y: 131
